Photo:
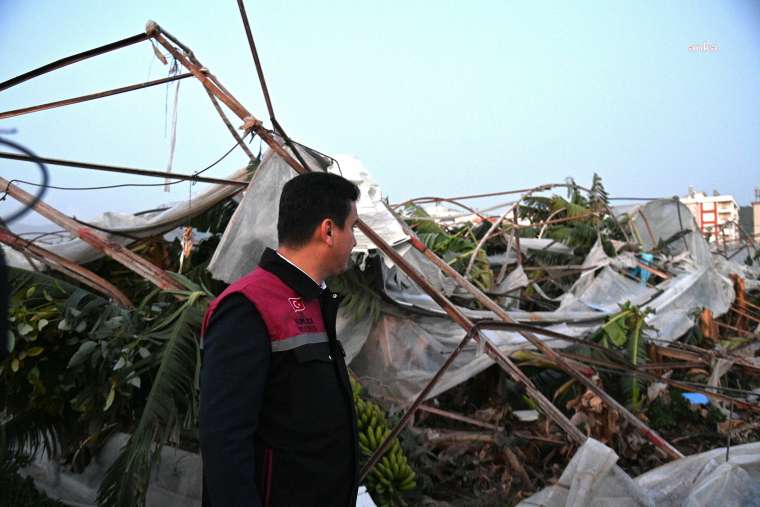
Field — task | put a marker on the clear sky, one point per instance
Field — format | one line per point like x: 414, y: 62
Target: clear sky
x: 436, y: 97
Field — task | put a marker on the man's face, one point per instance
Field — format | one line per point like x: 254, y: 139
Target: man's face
x: 344, y: 241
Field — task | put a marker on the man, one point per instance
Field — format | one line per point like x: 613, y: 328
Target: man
x: 277, y: 420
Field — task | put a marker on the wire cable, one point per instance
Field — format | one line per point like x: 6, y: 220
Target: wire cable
x: 122, y: 185
x: 43, y: 186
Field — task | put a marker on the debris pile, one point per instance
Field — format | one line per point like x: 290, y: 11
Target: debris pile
x: 500, y: 340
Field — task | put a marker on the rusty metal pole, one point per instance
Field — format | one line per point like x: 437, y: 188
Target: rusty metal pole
x: 251, y: 123
x: 255, y: 55
x: 129, y: 259
x: 518, y: 251
x: 72, y: 59
x: 229, y: 126
x: 91, y: 96
x: 122, y: 170
x: 66, y: 267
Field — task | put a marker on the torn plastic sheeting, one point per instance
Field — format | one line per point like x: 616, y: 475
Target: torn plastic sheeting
x: 175, y: 481
x: 140, y: 226
x: 698, y: 285
x: 408, y: 343
x: 697, y: 480
x: 595, y: 259
x: 405, y: 293
x: 591, y: 478
x: 516, y: 279
x: 404, y: 350
x: 253, y: 226
x: 702, y: 480
x: 750, y: 274
x: 660, y: 220
x: 527, y: 245
x: 684, y: 294
x: 606, y: 291
x: 395, y: 280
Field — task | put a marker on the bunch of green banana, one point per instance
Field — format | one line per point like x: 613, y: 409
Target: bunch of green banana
x: 392, y: 474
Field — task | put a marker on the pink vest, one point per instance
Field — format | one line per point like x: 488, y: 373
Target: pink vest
x: 290, y: 320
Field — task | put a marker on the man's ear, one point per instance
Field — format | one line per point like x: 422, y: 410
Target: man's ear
x: 326, y: 231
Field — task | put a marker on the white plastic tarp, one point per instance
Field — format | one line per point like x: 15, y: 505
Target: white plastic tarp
x: 704, y: 480
x: 175, y: 482
x: 138, y: 226
x: 253, y: 226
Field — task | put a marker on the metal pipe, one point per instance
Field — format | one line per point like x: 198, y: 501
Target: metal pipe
x: 255, y: 56
x: 92, y: 96
x: 229, y: 126
x: 66, y: 267
x: 124, y: 170
x: 72, y: 59
x: 119, y: 253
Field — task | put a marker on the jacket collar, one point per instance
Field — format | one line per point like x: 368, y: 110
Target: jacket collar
x: 289, y: 274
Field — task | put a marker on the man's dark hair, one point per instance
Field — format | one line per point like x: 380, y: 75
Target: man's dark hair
x: 308, y: 199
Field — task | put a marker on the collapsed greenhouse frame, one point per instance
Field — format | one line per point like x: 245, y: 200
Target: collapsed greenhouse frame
x: 295, y: 156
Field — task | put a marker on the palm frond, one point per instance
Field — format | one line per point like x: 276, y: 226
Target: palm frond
x: 598, y: 198
x: 126, y: 481
x: 420, y: 220
x: 24, y: 434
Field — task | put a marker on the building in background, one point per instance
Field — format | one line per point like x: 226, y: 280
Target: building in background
x: 716, y: 215
x: 755, y: 230
x: 749, y: 217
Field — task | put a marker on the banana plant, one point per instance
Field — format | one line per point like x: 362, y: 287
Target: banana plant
x: 626, y: 331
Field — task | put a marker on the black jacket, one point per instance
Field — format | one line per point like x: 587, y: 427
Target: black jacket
x: 276, y: 428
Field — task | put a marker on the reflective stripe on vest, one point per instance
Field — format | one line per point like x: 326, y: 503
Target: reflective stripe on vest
x: 297, y: 341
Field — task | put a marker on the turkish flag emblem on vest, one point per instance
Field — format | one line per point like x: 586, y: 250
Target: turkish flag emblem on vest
x: 297, y: 304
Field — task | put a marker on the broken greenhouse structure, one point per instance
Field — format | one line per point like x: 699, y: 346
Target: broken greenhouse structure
x: 622, y: 304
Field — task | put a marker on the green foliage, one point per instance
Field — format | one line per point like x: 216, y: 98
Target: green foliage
x: 455, y: 246
x: 59, y: 380
x: 168, y: 406
x: 626, y: 332
x: 81, y: 367
x: 598, y: 198
x: 392, y: 475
